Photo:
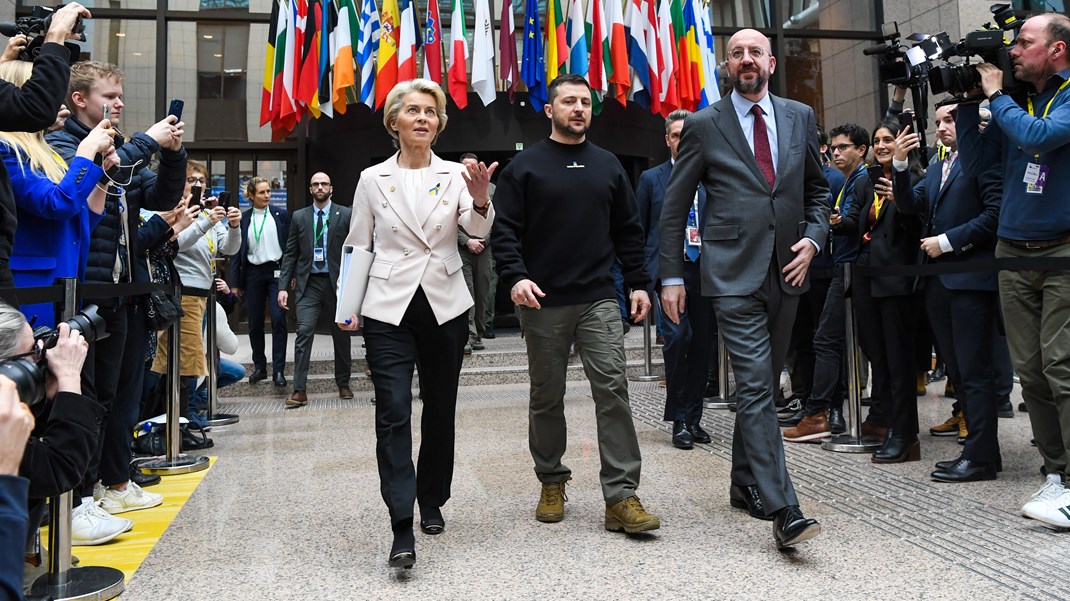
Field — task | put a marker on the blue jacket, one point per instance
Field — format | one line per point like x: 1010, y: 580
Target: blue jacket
x: 649, y: 196
x: 836, y: 182
x: 52, y: 238
x: 14, y: 522
x: 240, y: 262
x: 966, y: 209
x: 1013, y: 138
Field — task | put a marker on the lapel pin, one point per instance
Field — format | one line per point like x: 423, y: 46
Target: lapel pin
x: 434, y: 191
x: 391, y: 188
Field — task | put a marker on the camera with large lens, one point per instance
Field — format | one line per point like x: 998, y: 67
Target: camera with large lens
x: 992, y: 44
x: 29, y: 373
x: 35, y: 26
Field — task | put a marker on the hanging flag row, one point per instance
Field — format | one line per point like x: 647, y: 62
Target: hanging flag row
x: 660, y: 56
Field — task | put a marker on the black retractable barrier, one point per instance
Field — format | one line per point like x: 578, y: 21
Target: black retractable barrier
x: 174, y: 462
x: 214, y: 418
x: 63, y: 581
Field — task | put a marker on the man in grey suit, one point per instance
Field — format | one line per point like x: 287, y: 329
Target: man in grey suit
x: 766, y: 214
x: 310, y: 268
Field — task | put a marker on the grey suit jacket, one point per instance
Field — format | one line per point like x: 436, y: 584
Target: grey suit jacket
x: 297, y: 258
x: 745, y: 221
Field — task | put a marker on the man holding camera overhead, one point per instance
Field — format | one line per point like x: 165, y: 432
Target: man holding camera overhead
x: 1032, y: 139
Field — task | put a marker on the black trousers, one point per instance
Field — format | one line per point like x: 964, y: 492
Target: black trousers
x: 393, y: 352
x: 886, y: 334
x: 802, y: 354
x: 262, y: 292
x: 687, y: 352
x: 119, y: 429
x: 100, y: 380
x: 966, y: 326
x: 828, y: 388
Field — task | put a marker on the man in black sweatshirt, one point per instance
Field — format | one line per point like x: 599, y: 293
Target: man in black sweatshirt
x: 565, y: 211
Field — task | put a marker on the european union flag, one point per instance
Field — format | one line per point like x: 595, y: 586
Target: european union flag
x: 533, y: 66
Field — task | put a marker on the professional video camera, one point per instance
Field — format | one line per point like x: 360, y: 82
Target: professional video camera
x: 28, y: 372
x: 992, y: 43
x: 34, y: 28
x: 898, y: 65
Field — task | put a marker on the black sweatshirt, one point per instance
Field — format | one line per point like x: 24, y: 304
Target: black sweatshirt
x: 31, y: 108
x: 563, y: 213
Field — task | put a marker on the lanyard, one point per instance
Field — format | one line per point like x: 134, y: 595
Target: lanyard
x: 319, y: 231
x: 257, y: 232
x: 1046, y: 108
x: 850, y: 180
x: 878, y: 202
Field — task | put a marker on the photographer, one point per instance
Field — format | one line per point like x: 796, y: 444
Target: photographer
x: 16, y: 422
x: 31, y: 108
x: 1033, y: 144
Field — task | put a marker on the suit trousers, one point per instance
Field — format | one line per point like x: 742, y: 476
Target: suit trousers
x: 687, y: 352
x: 827, y: 389
x: 1036, y: 307
x: 886, y: 328
x: 119, y: 430
x: 965, y: 323
x: 393, y: 352
x: 261, y: 292
x: 599, y: 334
x: 318, y: 300
x: 756, y: 330
x: 477, y: 270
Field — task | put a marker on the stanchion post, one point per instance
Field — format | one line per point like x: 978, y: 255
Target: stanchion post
x: 852, y: 441
x: 648, y: 362
x: 62, y: 581
x: 174, y: 462
x: 214, y: 418
x: 721, y: 402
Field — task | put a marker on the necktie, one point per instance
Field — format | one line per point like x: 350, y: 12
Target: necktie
x: 946, y: 171
x: 319, y: 228
x: 762, y: 154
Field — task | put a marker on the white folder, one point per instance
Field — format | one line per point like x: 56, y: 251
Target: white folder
x: 352, y: 281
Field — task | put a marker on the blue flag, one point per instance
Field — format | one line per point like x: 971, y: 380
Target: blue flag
x: 533, y: 66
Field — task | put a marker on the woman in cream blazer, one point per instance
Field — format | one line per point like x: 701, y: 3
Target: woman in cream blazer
x: 415, y: 311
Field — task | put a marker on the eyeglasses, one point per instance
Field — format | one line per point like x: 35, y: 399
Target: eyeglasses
x: 755, y: 52
x: 320, y: 185
x: 37, y: 352
x: 195, y: 180
x: 842, y: 147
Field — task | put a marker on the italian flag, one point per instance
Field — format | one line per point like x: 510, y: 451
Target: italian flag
x: 458, y: 72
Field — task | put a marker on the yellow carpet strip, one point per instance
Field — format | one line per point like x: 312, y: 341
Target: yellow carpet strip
x: 128, y: 550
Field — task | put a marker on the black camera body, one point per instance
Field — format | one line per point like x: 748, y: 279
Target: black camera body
x: 992, y: 44
x: 28, y: 374
x: 34, y: 28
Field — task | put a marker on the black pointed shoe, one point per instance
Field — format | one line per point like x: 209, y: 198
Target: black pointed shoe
x: 965, y: 470
x: 790, y: 527
x: 699, y: 435
x: 431, y: 520
x: 747, y: 497
x: 403, y: 551
x: 681, y: 436
x: 943, y: 465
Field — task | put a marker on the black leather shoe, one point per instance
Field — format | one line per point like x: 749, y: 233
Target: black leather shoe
x: 699, y: 435
x: 431, y: 520
x: 681, y: 436
x: 965, y: 470
x: 790, y: 527
x: 403, y: 551
x: 747, y: 497
x: 790, y: 420
x: 898, y: 449
x: 1005, y: 409
x: 257, y: 375
x: 142, y: 479
x: 488, y: 333
x: 279, y: 380
x: 837, y: 425
x: 945, y: 465
x: 1022, y: 408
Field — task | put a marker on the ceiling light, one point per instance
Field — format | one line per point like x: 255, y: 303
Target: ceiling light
x: 137, y: 54
x: 120, y: 34
x: 207, y: 36
x: 218, y: 55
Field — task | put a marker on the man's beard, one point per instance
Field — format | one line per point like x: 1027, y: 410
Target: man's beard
x: 754, y: 86
x: 564, y: 127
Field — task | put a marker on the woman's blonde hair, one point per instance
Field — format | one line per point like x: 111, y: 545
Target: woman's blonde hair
x: 403, y: 89
x: 250, y: 186
x: 32, y: 145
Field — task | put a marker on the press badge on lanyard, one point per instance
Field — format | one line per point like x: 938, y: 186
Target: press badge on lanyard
x: 1035, y: 178
x: 694, y: 238
x: 319, y: 254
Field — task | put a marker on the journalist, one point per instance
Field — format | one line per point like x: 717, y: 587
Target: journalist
x: 16, y: 422
x: 1030, y: 134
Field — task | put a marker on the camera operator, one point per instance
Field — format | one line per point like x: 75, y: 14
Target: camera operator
x: 16, y: 422
x: 31, y: 108
x: 1034, y: 145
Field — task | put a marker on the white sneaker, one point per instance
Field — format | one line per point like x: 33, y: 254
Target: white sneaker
x: 133, y: 498
x: 91, y: 525
x: 1054, y: 512
x: 1038, y: 505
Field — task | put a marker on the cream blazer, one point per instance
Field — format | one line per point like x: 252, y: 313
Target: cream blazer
x: 418, y: 247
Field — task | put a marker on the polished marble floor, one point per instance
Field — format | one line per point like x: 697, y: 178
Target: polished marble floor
x: 291, y: 510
